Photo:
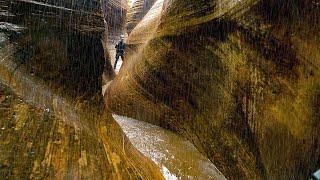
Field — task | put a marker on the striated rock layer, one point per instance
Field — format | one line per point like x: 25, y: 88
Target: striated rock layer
x: 136, y: 13
x: 147, y: 26
x: 53, y: 57
x: 80, y: 15
x: 36, y: 144
x: 115, y: 15
x: 240, y: 79
x: 60, y: 42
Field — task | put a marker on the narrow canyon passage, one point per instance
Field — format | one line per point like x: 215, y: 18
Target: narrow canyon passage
x: 176, y: 157
x: 216, y: 89
x: 47, y: 135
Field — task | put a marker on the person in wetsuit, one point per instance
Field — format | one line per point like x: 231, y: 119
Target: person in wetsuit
x: 120, y: 48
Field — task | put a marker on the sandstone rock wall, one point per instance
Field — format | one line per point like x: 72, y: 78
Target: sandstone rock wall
x: 115, y: 14
x: 136, y: 13
x: 82, y: 16
x: 52, y: 55
x: 40, y: 144
x: 60, y: 42
x: 148, y: 26
x: 240, y: 79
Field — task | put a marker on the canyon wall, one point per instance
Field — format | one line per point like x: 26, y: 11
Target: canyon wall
x: 240, y: 79
x: 137, y: 12
x: 115, y: 15
x: 54, y: 124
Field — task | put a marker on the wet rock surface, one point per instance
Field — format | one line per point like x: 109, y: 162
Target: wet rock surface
x: 59, y: 42
x: 176, y: 156
x: 84, y: 16
x: 52, y: 56
x: 239, y: 79
x: 136, y: 13
x: 115, y: 15
x: 37, y: 144
x: 148, y: 25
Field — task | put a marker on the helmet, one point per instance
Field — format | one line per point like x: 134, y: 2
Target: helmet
x: 122, y: 36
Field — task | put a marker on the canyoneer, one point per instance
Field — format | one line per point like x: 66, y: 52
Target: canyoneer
x: 120, y: 50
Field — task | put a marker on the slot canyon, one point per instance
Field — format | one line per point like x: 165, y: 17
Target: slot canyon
x: 207, y: 89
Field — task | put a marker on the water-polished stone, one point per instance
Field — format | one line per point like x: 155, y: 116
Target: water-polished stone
x: 240, y: 79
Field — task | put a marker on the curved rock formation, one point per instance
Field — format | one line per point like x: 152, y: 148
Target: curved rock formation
x: 147, y: 26
x: 36, y: 144
x: 53, y: 57
x: 240, y: 79
x: 61, y: 43
x: 135, y: 14
x: 144, y: 31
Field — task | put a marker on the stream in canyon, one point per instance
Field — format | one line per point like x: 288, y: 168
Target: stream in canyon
x: 210, y: 89
x: 176, y: 157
